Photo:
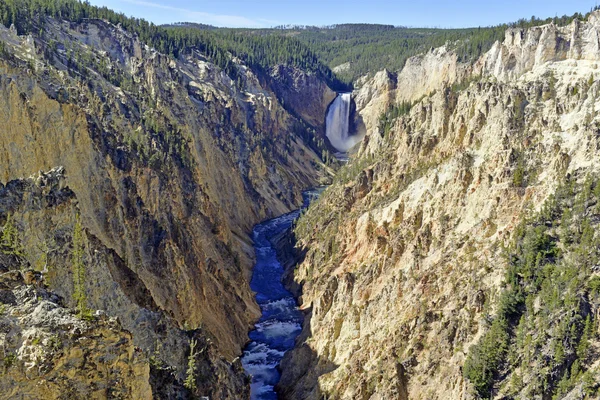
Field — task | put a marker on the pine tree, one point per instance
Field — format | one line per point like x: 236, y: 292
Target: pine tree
x: 10, y: 242
x: 78, y: 266
x: 190, y: 376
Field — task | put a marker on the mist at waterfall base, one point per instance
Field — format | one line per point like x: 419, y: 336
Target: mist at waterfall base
x: 337, y: 124
x: 281, y: 321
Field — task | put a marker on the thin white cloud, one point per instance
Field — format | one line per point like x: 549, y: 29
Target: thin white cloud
x: 203, y: 17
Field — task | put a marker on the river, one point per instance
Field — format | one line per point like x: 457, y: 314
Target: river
x: 281, y: 321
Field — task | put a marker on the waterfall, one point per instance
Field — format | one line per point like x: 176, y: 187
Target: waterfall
x: 337, y: 124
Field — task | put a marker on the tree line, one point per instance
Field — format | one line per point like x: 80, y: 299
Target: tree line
x: 365, y: 48
x: 259, y: 52
x: 371, y: 47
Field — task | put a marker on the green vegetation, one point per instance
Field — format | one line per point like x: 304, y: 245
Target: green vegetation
x: 367, y: 48
x: 10, y: 241
x: 484, y: 359
x: 519, y: 172
x: 190, y: 374
x: 363, y: 48
x: 387, y: 118
x: 394, y: 111
x: 465, y: 83
x: 543, y: 326
x: 551, y: 92
x: 219, y: 46
x: 370, y: 48
x: 54, y: 343
x: 9, y: 360
x: 44, y: 249
x: 78, y: 268
x: 161, y: 143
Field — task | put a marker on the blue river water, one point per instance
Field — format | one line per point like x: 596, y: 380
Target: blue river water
x: 281, y: 321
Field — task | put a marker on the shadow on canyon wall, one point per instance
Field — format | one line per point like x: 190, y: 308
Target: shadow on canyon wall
x: 301, y: 367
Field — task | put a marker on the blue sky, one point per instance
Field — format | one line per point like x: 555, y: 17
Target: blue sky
x: 267, y: 13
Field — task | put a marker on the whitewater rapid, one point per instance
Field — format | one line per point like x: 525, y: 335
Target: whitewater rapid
x: 281, y: 321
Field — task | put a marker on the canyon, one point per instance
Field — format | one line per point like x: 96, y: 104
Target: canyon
x: 150, y: 212
x: 165, y: 181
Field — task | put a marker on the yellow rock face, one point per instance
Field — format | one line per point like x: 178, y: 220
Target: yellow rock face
x: 405, y: 249
x: 167, y: 177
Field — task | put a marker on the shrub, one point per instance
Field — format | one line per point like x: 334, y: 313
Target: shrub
x: 10, y: 242
x: 594, y: 285
x: 550, y: 263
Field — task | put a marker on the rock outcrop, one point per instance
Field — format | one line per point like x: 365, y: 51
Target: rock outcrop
x: 303, y: 93
x: 404, y: 264
x: 48, y: 352
x: 421, y: 76
x: 525, y: 50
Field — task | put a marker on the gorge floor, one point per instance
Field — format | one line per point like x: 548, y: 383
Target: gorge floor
x: 281, y: 321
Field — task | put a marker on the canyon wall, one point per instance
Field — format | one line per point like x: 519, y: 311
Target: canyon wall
x: 166, y: 164
x: 405, y: 260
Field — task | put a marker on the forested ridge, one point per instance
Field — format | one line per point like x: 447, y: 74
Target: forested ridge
x: 368, y: 48
x: 259, y: 52
x: 356, y: 49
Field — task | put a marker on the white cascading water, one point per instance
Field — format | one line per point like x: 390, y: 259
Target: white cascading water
x: 337, y: 124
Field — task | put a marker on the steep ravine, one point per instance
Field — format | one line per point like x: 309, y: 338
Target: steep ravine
x: 280, y: 322
x: 454, y: 257
x: 166, y: 179
x: 405, y: 255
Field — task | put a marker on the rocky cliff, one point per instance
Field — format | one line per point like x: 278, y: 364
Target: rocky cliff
x: 422, y: 75
x: 162, y: 165
x: 434, y: 265
x: 304, y: 94
x: 49, y: 352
